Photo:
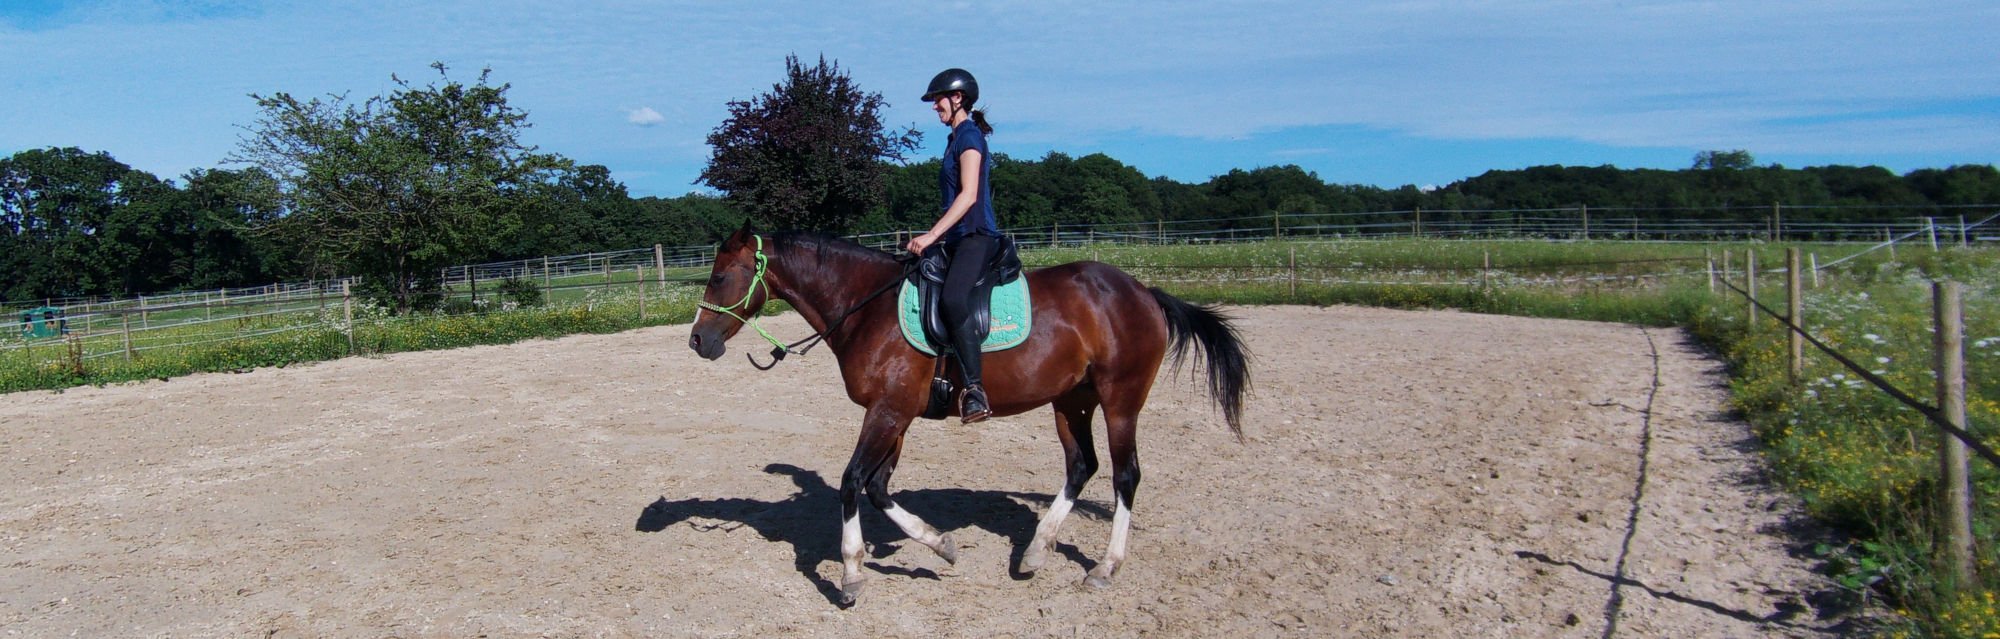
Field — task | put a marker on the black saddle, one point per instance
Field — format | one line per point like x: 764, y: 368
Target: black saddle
x: 928, y: 277
x: 1004, y: 268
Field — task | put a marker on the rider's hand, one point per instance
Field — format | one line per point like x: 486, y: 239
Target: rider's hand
x: 919, y: 243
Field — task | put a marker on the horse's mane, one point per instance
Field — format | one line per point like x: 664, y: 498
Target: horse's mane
x: 826, y: 248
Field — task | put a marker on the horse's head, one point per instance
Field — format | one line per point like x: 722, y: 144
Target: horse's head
x: 736, y: 292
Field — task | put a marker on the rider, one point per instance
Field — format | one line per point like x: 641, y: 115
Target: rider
x: 967, y: 230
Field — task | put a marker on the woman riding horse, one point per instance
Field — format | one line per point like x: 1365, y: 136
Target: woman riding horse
x: 967, y: 231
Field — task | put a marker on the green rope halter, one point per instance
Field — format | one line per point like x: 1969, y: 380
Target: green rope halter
x: 756, y: 281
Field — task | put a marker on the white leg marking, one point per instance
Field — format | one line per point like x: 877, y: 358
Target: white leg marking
x: 913, y: 526
x: 1045, y: 533
x: 1121, y: 524
x: 850, y: 547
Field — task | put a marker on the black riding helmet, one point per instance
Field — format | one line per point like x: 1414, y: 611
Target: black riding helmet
x: 950, y: 80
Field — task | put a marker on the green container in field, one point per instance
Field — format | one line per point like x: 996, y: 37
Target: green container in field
x: 46, y: 321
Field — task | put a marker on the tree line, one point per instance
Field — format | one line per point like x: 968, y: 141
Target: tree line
x: 393, y: 188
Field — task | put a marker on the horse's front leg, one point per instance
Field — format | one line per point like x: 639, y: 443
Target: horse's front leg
x: 874, y: 461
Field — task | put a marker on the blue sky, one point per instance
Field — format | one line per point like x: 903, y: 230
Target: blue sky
x: 1368, y: 92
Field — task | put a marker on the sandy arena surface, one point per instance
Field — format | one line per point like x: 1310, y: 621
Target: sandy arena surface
x: 1409, y: 474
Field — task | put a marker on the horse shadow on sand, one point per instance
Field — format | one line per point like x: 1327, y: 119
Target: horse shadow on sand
x: 809, y: 520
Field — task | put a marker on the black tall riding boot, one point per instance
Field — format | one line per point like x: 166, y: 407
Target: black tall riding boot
x: 969, y: 257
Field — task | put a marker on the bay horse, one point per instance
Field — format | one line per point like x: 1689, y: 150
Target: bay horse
x: 1097, y: 340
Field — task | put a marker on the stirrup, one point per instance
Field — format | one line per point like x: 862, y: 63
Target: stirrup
x: 972, y: 405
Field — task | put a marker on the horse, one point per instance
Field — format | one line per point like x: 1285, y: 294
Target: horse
x: 1097, y: 340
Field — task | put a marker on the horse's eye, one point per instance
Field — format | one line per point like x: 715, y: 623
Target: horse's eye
x: 715, y: 280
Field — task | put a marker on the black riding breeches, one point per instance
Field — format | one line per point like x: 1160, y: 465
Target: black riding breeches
x: 969, y: 256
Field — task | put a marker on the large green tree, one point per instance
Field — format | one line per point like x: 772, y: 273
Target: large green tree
x: 810, y: 154
x: 75, y: 223
x: 395, y: 188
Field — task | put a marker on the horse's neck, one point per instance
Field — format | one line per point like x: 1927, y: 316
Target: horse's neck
x: 822, y: 292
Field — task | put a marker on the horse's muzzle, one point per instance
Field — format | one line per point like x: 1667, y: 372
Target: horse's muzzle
x: 710, y: 349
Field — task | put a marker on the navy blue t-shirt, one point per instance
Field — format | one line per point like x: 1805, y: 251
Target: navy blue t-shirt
x: 980, y: 218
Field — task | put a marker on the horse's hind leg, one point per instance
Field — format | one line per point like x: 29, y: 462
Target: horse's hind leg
x: 1079, y: 463
x: 874, y: 461
x: 1121, y: 430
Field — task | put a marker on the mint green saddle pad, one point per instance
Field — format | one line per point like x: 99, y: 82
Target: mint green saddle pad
x: 1011, y: 317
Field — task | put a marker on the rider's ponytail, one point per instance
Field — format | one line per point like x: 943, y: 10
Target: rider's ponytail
x: 979, y: 120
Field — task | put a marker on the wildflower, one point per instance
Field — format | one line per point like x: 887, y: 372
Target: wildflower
x: 1881, y: 360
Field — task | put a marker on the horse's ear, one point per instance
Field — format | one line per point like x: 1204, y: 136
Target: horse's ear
x: 740, y: 237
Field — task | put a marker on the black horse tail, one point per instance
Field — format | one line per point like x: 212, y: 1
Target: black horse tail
x: 1221, y: 348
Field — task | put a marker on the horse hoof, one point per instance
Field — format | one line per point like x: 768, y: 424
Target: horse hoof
x: 947, y: 549
x: 850, y: 591
x: 1032, y: 559
x: 1095, y: 582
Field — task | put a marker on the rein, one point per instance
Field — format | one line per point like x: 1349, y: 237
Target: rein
x: 780, y: 349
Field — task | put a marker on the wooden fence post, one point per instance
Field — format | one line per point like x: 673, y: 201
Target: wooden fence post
x: 1586, y: 222
x: 1961, y: 231
x: 1815, y: 269
x: 1417, y: 222
x: 660, y: 266
x: 1486, y: 269
x: 128, y: 337
x: 1293, y: 265
x: 639, y: 281
x: 1795, y: 304
x: 347, y: 312
x: 1727, y: 262
x: 1956, y: 491
x: 1276, y: 232
x: 1709, y: 258
x: 1750, y: 288
x: 1930, y: 226
x: 545, y: 272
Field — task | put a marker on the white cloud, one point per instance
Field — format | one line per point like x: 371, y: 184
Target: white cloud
x: 644, y: 116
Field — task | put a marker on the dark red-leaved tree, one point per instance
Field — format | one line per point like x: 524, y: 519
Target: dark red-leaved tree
x: 809, y: 155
